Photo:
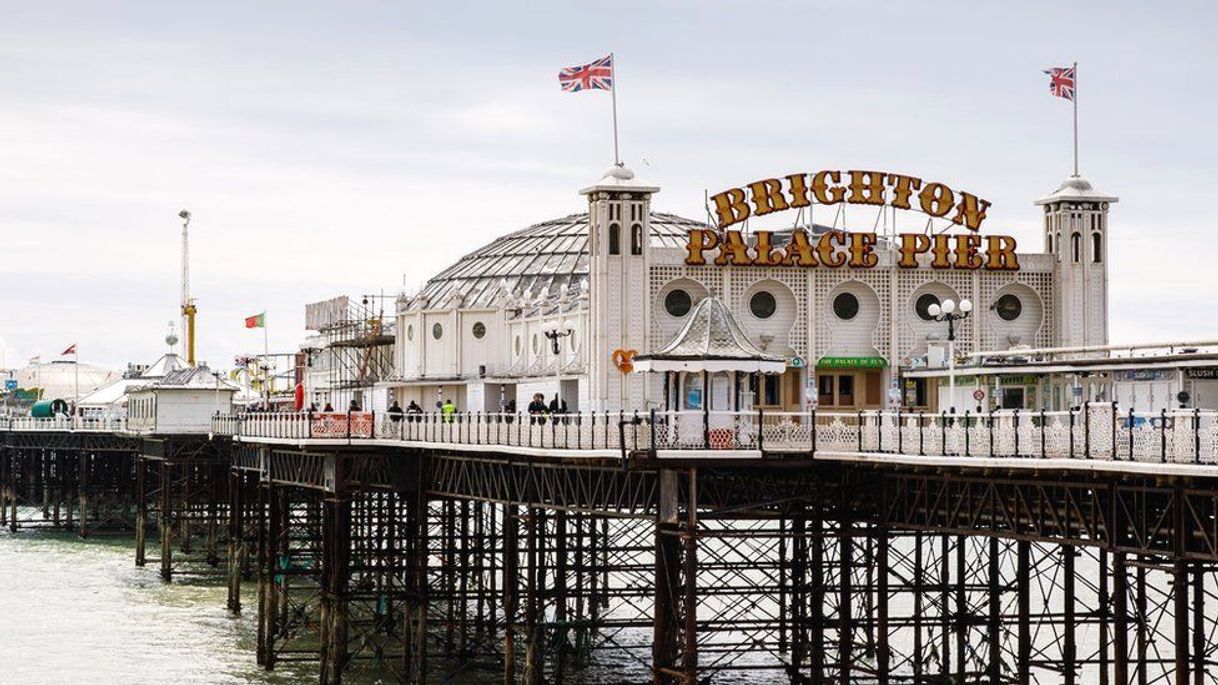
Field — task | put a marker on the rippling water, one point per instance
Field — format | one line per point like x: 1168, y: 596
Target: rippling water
x: 75, y: 611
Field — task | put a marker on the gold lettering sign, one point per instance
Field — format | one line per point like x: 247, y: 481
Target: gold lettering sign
x: 828, y: 187
x: 836, y: 249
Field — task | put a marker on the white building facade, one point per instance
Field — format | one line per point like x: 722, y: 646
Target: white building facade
x: 623, y: 279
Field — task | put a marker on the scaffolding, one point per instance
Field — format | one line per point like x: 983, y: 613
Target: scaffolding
x: 353, y: 348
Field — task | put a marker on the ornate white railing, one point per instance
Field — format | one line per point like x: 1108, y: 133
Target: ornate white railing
x: 1096, y: 431
x: 75, y: 424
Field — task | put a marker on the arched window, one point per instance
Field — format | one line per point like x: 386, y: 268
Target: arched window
x: 615, y: 239
x: 1076, y: 246
x: 1049, y: 243
x: 636, y: 239
x: 1097, y: 246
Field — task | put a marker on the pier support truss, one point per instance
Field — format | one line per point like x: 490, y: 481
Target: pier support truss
x: 83, y: 483
x: 427, y: 566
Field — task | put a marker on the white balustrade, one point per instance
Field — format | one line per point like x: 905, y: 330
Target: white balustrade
x: 1094, y: 432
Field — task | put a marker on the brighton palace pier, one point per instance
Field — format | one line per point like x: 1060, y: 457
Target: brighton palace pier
x: 761, y: 475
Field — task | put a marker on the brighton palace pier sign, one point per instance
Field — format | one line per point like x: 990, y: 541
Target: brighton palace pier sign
x: 966, y: 250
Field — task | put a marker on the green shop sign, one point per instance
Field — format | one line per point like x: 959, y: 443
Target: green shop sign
x: 852, y: 363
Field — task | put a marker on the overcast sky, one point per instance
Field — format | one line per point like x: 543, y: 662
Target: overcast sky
x: 348, y: 148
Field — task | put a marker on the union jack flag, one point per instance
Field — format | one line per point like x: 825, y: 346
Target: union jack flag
x: 595, y: 76
x: 1061, y: 82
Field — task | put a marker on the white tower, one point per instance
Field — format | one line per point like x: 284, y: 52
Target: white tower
x: 619, y: 226
x: 1076, y: 233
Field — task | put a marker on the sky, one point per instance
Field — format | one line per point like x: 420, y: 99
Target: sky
x: 360, y: 147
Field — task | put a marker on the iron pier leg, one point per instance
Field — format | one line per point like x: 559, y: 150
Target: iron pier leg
x: 1120, y: 610
x: 1069, y: 648
x: 141, y: 509
x: 818, y: 646
x: 336, y: 560
x: 83, y: 490
x: 961, y: 618
x: 689, y: 650
x: 845, y: 651
x: 1105, y: 612
x: 1023, y: 552
x: 236, y: 523
x: 1142, y: 617
x: 165, y: 520
x: 882, y: 656
x: 1198, y: 624
x: 511, y: 589
x: 667, y: 580
x: 1180, y: 615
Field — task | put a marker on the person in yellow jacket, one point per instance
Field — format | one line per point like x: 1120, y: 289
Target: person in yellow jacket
x: 447, y: 410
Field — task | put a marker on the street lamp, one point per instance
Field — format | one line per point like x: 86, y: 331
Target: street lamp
x: 556, y: 332
x: 947, y: 312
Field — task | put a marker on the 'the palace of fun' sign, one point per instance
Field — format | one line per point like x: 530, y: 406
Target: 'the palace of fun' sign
x: 835, y: 249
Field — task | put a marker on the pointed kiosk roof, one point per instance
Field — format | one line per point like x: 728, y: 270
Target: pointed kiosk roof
x: 711, y: 340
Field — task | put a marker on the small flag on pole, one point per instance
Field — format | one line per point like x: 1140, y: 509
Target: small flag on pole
x: 256, y: 321
x: 595, y: 76
x: 1061, y: 82
x: 35, y: 359
x: 71, y: 350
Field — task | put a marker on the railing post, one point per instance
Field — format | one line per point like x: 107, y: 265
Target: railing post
x: 1131, y: 432
x: 1163, y: 435
x: 967, y: 451
x: 1087, y: 429
x: 814, y: 427
x: 761, y: 430
x: 1196, y: 435
x: 621, y: 435
x: 990, y: 426
x: 1115, y: 455
x: 652, y: 428
x: 879, y: 430
x: 921, y: 436
x: 635, y: 424
x: 943, y: 432
x: 861, y: 429
x: 372, y: 429
x: 900, y: 433
x: 1043, y: 445
x: 1016, y: 424
x: 621, y: 416
x: 1071, y: 410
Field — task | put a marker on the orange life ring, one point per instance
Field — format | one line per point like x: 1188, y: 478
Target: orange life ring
x: 624, y: 360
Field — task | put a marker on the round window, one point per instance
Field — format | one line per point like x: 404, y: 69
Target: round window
x: 762, y: 304
x: 922, y: 306
x: 677, y: 303
x: 436, y: 331
x: 1008, y: 307
x: 410, y: 332
x: 479, y: 330
x: 846, y: 306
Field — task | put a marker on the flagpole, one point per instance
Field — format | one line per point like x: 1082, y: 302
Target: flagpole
x: 1075, y: 102
x: 266, y: 360
x: 617, y: 160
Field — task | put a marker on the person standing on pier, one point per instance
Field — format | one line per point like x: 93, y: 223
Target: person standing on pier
x: 448, y: 409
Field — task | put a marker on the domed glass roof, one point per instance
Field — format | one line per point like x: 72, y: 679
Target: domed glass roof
x: 549, y: 256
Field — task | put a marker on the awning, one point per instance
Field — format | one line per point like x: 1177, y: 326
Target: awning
x: 712, y: 341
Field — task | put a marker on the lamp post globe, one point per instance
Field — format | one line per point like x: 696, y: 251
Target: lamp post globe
x: 948, y: 306
x: 966, y: 306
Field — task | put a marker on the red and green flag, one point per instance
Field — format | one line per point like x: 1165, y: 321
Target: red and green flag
x: 256, y: 321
